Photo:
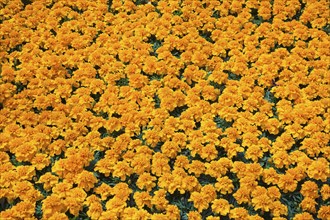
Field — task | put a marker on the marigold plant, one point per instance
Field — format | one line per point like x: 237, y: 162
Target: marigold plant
x: 179, y: 109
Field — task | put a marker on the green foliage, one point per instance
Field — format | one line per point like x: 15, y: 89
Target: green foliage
x: 233, y: 76
x: 178, y: 111
x: 64, y: 19
x: 292, y: 201
x: 222, y: 123
x: 38, y: 212
x: 177, y: 12
x: 221, y: 87
x: 155, y: 77
x: 181, y: 201
x: 157, y: 101
x: 269, y: 96
x: 4, y: 204
x: 122, y: 82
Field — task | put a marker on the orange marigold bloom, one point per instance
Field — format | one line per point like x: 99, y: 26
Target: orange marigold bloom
x: 58, y: 216
x: 24, y: 210
x: 105, y: 166
x: 208, y: 191
x: 319, y: 169
x: 159, y: 200
x: 194, y: 215
x: 324, y: 212
x: 325, y: 192
x: 278, y: 209
x: 104, y: 190
x: 48, y: 180
x: 273, y: 192
x: 121, y: 191
x: 281, y: 159
x: 242, y: 195
x: 262, y: 202
x: 94, y: 210
x: 146, y: 181
x: 141, y: 163
x: 170, y: 149
x: 238, y: 213
x: 25, y: 152
x: 218, y: 168
x: 25, y: 172
x: 209, y: 152
x: 254, y: 152
x: 200, y: 203
x: 86, y: 180
x: 62, y: 189
x: 160, y: 164
x: 40, y: 161
x: 122, y: 169
x: 142, y: 199
x: 115, y: 205
x: 308, y: 204
x: 73, y: 205
x: 287, y: 183
x: 196, y: 167
x: 303, y: 216
x: 221, y: 206
x: 309, y: 189
x: 52, y: 204
x: 224, y: 185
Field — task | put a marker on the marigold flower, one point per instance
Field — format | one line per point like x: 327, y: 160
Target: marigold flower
x: 319, y: 169
x: 238, y: 213
x: 159, y: 199
x: 209, y: 152
x: 303, y: 216
x: 25, y: 152
x: 170, y: 149
x: 94, y: 210
x: 121, y: 191
x: 242, y: 195
x: 24, y: 210
x: 278, y: 209
x: 194, y: 215
x: 287, y: 183
x: 105, y: 166
x: 309, y: 189
x: 281, y: 159
x: 73, y: 205
x: 48, y: 180
x: 59, y: 216
x: 200, y: 203
x: 324, y: 212
x: 196, y: 167
x: 122, y: 169
x: 146, y: 181
x: 160, y: 164
x: 325, y: 192
x: 8, y: 178
x: 221, y: 206
x: 217, y: 168
x: 254, y: 152
x: 262, y: 202
x: 40, y: 161
x: 308, y: 204
x: 224, y: 185
x: 52, y: 205
x: 115, y: 205
x: 142, y: 199
x: 62, y: 189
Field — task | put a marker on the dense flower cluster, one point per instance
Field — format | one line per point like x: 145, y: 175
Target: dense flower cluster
x: 171, y: 109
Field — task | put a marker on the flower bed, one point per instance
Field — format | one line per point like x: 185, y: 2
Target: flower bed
x: 136, y: 109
